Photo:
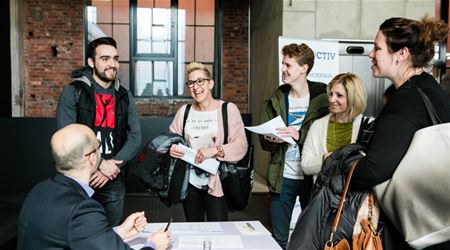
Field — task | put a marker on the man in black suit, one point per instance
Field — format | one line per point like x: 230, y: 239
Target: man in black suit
x: 58, y: 213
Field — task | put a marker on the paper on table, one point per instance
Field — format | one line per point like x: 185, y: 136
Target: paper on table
x: 139, y: 240
x: 217, y: 241
x: 268, y: 128
x: 210, y: 165
x: 186, y: 228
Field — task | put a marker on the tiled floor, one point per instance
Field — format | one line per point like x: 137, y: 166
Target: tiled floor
x: 257, y: 209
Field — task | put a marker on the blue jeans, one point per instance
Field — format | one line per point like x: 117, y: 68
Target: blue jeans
x: 281, y: 208
x: 112, y: 196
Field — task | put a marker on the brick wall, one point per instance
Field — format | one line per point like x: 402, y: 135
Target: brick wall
x: 59, y: 24
x: 47, y: 24
x: 235, y: 66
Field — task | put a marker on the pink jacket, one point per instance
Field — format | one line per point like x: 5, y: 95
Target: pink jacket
x: 236, y: 147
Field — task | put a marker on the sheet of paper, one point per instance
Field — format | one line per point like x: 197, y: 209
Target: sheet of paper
x: 186, y: 228
x: 137, y: 241
x: 210, y: 165
x: 217, y: 241
x: 268, y: 128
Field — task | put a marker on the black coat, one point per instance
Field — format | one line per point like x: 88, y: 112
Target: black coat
x: 166, y: 176
x: 314, y: 224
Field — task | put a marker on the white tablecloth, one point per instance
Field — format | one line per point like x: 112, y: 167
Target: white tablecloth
x: 222, y: 235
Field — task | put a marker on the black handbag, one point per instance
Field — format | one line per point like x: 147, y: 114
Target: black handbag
x: 236, y: 178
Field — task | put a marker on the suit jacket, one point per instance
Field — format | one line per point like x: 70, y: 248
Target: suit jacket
x: 58, y: 214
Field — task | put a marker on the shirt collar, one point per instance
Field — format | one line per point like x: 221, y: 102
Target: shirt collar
x: 89, y: 191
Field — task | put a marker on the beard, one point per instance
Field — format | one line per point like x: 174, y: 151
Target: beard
x: 102, y: 75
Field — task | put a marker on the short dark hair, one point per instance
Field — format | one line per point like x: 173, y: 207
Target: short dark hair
x: 90, y: 51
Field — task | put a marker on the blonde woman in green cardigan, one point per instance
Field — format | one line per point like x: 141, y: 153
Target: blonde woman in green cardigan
x: 347, y: 100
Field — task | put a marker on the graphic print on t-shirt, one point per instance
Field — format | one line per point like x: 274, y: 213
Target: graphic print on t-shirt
x: 104, y: 123
x: 296, y: 116
x: 201, y: 132
x: 200, y: 124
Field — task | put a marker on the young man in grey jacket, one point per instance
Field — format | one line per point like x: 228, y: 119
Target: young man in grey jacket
x: 96, y: 99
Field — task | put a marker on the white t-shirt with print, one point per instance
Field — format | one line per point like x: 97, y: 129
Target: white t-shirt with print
x: 201, y: 132
x: 296, y: 115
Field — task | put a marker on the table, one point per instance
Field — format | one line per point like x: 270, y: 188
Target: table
x: 222, y: 235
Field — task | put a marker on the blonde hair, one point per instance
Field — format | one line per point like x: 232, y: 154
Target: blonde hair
x: 193, y: 66
x: 356, y: 92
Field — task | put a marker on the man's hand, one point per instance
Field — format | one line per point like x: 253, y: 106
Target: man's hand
x: 132, y: 225
x: 161, y: 240
x: 110, y: 168
x: 175, y: 153
x: 98, y: 180
x: 273, y: 139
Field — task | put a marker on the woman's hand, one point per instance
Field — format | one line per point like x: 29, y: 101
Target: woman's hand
x: 325, y: 155
x: 205, y: 153
x: 174, y: 152
x: 288, y: 132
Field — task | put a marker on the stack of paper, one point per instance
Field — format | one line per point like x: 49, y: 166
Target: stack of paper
x: 210, y: 165
x: 268, y: 129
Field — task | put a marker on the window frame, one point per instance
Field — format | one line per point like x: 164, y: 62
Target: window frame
x: 134, y: 57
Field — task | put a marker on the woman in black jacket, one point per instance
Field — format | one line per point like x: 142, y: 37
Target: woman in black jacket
x: 402, y: 48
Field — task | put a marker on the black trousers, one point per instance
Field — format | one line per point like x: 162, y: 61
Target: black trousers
x: 112, y: 197
x: 199, y: 203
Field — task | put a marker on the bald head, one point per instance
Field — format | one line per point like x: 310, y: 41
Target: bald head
x: 69, y: 145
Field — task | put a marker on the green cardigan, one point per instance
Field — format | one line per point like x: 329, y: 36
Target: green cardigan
x: 276, y: 105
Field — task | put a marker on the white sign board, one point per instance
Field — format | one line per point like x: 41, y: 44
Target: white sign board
x: 326, y: 61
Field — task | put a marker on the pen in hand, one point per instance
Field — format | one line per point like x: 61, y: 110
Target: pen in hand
x: 168, y: 225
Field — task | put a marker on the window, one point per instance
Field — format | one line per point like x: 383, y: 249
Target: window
x: 156, y: 39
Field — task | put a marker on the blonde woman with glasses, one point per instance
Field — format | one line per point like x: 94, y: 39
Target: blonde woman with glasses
x: 203, y: 129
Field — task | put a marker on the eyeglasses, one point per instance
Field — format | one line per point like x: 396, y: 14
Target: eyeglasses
x: 199, y: 82
x: 95, y: 149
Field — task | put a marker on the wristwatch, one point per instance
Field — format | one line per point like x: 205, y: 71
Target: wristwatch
x: 220, y: 151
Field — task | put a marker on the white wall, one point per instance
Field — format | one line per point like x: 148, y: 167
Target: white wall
x: 346, y: 19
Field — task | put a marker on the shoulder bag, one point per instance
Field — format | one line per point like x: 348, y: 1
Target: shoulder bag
x: 236, y: 178
x: 416, y: 198
x: 368, y: 238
